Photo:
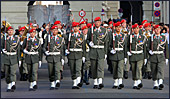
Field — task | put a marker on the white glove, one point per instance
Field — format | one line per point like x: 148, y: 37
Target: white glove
x: 129, y: 54
x: 67, y: 52
x: 19, y: 64
x: 40, y: 34
x: 88, y: 50
x: 62, y: 62
x: 21, y: 42
x: 47, y: 53
x: 145, y: 61
x: 105, y: 57
x: 150, y: 52
x: 166, y: 61
x: 41, y: 40
x: 83, y: 58
x: 39, y: 64
x: 4, y: 51
x: 91, y: 44
x: 125, y: 60
x: 113, y: 51
x: 25, y: 51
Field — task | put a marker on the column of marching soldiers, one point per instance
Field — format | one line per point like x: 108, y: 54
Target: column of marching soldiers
x: 87, y: 46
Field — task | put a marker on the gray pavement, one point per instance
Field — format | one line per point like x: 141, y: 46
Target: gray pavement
x: 86, y: 91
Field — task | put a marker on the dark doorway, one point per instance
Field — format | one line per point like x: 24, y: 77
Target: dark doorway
x: 137, y: 11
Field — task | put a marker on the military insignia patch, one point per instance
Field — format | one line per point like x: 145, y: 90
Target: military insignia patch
x: 57, y: 43
x: 120, y: 35
x: 35, y: 44
x: 57, y: 38
x: 133, y: 36
x: 154, y: 37
x: 79, y: 39
x: 139, y: 36
x: 122, y: 38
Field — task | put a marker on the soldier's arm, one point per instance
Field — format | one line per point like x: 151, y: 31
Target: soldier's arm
x: 24, y: 44
x: 110, y: 42
x: 88, y: 36
x: 2, y: 43
x: 166, y: 51
x: 148, y: 44
x: 62, y: 51
x: 128, y: 43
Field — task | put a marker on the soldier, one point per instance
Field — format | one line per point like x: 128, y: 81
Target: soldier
x: 76, y: 54
x: 61, y: 33
x: 147, y: 68
x: 54, y: 57
x: 98, y: 42
x: 32, y: 49
x: 118, y: 55
x: 157, y: 57
x: 126, y: 32
x: 86, y: 65
x: 23, y: 67
x: 82, y: 24
x: 11, y: 56
x: 137, y: 55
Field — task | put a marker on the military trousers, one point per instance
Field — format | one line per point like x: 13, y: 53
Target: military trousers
x: 137, y: 69
x: 97, y: 68
x: 148, y: 66
x: 126, y: 66
x: 157, y: 70
x: 54, y: 71
x: 118, y: 69
x: 10, y: 72
x: 23, y: 67
x: 75, y: 68
x: 32, y: 72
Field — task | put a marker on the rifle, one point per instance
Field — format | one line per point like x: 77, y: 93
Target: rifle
x: 152, y: 31
x: 5, y: 33
x: 28, y: 33
x: 113, y: 33
x: 49, y: 33
x: 131, y: 35
x: 92, y: 26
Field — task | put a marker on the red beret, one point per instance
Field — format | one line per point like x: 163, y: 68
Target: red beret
x: 57, y: 22
x: 156, y: 26
x: 147, y: 24
x: 89, y: 25
x: 22, y: 29
x: 84, y: 27
x: 74, y: 24
x: 135, y: 26
x: 117, y: 24
x: 83, y: 22
x: 10, y: 28
x: 32, y: 30
x: 97, y: 19
x: 111, y: 22
x: 54, y: 27
x: 144, y: 21
x: 31, y: 24
x: 152, y: 22
x: 123, y: 20
x: 140, y: 26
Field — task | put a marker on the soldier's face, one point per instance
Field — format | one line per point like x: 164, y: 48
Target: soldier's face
x: 10, y: 32
x: 21, y: 32
x: 118, y: 28
x: 136, y: 30
x: 32, y: 34
x: 76, y: 28
x: 55, y: 31
x: 157, y: 31
x: 59, y: 26
x: 97, y: 23
x: 85, y: 31
x: 147, y: 28
x: 47, y: 29
x: 124, y: 24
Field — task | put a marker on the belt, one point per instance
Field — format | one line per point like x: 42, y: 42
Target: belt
x: 158, y: 52
x: 75, y: 49
x: 54, y: 53
x: 32, y: 53
x: 97, y: 46
x: 137, y: 52
x: 10, y: 53
x: 118, y: 49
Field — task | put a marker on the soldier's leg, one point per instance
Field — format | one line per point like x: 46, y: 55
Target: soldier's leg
x: 139, y: 73
x: 57, y: 67
x: 2, y: 70
x: 115, y: 75
x: 120, y: 72
x: 154, y: 70
x: 148, y: 70
x: 7, y: 77
x: 126, y: 68
x: 78, y: 71
x: 25, y: 71
x: 21, y: 70
x: 51, y: 75
x: 72, y: 68
x: 133, y: 67
x: 94, y: 72
x: 35, y: 75
x: 13, y: 69
x: 86, y: 71
x: 161, y: 74
x: 100, y: 72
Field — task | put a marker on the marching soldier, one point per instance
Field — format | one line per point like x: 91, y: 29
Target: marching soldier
x: 54, y: 57
x: 157, y: 44
x: 11, y: 56
x: 76, y: 54
x: 118, y: 55
x: 137, y: 55
x: 32, y: 50
x: 126, y: 32
x: 86, y: 65
x: 23, y: 65
x: 147, y: 69
x: 98, y: 42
